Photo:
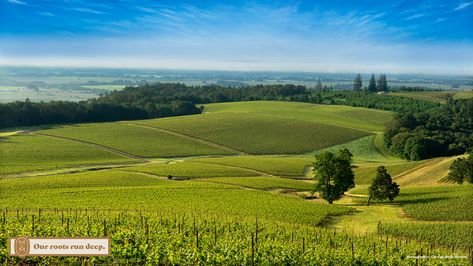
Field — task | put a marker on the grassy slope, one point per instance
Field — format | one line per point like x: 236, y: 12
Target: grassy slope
x: 20, y: 153
x: 121, y: 190
x: 135, y: 140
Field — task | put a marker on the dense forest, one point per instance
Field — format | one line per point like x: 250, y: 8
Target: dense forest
x: 446, y: 130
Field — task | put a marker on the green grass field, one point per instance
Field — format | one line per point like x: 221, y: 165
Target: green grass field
x: 22, y: 153
x: 258, y: 133
x: 135, y: 140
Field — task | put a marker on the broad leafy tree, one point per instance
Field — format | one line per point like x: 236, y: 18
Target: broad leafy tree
x: 333, y: 174
x: 383, y: 186
x: 461, y: 170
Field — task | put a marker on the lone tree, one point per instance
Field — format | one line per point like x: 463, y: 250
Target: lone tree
x: 461, y: 170
x: 357, y: 83
x: 372, y: 84
x: 333, y: 174
x: 383, y: 186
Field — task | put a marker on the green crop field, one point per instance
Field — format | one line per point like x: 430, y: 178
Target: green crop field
x: 443, y: 203
x: 258, y: 133
x: 275, y: 165
x: 139, y: 141
x: 433, y: 96
x: 436, y: 96
x: 22, y: 153
x: 345, y: 116
x: 366, y: 149
x: 233, y: 165
x: 191, y: 170
x: 440, y: 233
x: 154, y: 238
x: 365, y: 172
x: 263, y: 182
x: 125, y: 190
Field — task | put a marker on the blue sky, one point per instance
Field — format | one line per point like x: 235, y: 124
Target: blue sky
x: 327, y: 36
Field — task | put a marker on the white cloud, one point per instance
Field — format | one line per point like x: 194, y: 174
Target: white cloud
x: 463, y: 5
x: 86, y: 10
x: 18, y: 2
x: 418, y: 15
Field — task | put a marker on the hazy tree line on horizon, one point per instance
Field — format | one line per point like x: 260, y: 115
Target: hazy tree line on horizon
x: 172, y: 99
x: 380, y: 85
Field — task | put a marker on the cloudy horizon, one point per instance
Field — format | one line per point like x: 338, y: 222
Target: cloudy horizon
x: 323, y: 36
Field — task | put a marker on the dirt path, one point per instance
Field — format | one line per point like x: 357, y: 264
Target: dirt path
x: 95, y: 145
x: 202, y: 141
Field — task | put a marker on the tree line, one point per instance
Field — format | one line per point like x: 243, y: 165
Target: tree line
x: 442, y: 131
x: 379, y: 85
x: 172, y: 99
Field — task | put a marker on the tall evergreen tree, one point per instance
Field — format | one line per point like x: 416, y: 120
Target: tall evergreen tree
x: 382, y: 83
x: 318, y: 86
x: 372, y: 84
x: 357, y: 83
x: 385, y: 83
x: 379, y: 83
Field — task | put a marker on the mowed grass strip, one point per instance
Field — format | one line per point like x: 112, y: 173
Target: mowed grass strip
x: 346, y: 116
x: 134, y: 191
x: 263, y: 182
x: 258, y: 133
x: 135, y: 140
x: 23, y: 153
x: 275, y: 165
x: 191, y: 170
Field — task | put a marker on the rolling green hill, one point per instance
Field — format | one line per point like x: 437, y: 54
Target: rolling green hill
x: 344, y: 116
x: 139, y: 141
x: 258, y: 133
x: 22, y: 153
